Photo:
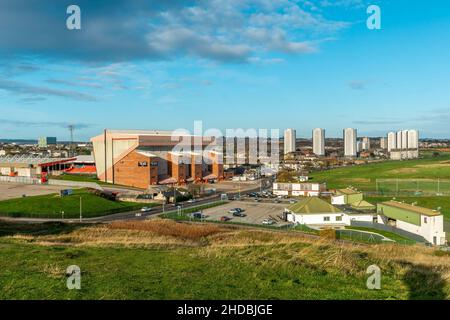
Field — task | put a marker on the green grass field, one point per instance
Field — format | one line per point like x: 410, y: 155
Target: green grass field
x: 265, y: 268
x: 52, y: 206
x: 364, y: 176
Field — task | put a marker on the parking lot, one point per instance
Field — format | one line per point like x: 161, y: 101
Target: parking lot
x: 13, y: 190
x: 255, y: 212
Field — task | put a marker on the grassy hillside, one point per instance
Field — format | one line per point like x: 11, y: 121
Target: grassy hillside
x: 364, y: 176
x: 163, y: 259
x: 51, y: 206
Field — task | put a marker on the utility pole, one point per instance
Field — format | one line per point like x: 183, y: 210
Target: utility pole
x: 81, y: 215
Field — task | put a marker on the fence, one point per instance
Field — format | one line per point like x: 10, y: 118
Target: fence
x: 383, y: 227
x: 24, y: 180
x: 413, y: 187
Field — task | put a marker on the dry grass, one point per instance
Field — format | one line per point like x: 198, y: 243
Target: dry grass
x: 169, y: 228
x: 160, y: 233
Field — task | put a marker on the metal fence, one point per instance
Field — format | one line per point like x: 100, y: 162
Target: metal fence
x: 413, y: 187
x: 23, y: 180
x: 383, y: 227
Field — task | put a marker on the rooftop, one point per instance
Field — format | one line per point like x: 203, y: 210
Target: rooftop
x: 31, y: 160
x: 313, y: 205
x: 347, y: 191
x: 412, y: 208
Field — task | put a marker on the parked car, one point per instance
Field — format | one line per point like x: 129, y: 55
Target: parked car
x: 198, y: 215
x: 191, y: 201
x: 292, y: 201
x: 146, y: 209
x: 239, y: 214
x: 138, y: 214
x: 235, y: 210
x: 268, y: 222
x: 225, y: 218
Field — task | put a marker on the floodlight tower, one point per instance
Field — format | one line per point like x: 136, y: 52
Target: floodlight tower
x: 71, y: 129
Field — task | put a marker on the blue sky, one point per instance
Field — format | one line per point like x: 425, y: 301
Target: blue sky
x: 230, y: 63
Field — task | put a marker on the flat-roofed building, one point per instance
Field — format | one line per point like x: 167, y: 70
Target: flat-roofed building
x: 318, y: 136
x: 304, y: 189
x: 290, y: 137
x: 391, y: 141
x: 350, y: 146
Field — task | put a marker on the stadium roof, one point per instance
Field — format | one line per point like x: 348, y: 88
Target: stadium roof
x: 313, y: 205
x: 32, y: 160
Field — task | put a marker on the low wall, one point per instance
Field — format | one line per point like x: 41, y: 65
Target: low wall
x: 81, y: 184
x: 137, y: 200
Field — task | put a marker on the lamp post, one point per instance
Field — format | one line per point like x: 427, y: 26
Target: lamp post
x: 81, y: 215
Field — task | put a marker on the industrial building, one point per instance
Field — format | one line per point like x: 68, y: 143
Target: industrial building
x: 350, y: 148
x: 318, y: 136
x: 420, y: 221
x: 144, y: 158
x: 290, y: 137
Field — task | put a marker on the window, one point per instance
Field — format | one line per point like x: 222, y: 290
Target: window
x: 425, y: 220
x: 338, y: 218
x: 326, y: 218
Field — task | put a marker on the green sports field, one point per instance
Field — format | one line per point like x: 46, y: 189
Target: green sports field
x: 53, y: 206
x: 364, y: 176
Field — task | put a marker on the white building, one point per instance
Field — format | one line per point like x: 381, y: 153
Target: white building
x: 318, y: 136
x: 404, y: 134
x: 383, y: 143
x: 365, y: 143
x: 289, y: 140
x: 406, y: 144
x: 304, y: 189
x: 350, y: 142
x: 316, y: 212
x: 424, y: 222
x: 391, y: 141
x: 413, y: 139
x: 399, y: 140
